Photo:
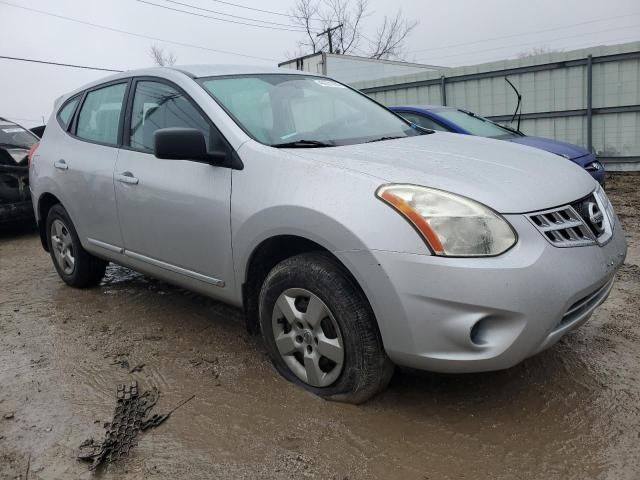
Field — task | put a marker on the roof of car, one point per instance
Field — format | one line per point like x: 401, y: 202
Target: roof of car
x: 194, y: 71
x: 219, y: 70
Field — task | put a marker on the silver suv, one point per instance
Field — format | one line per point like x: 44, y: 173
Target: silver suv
x: 354, y: 240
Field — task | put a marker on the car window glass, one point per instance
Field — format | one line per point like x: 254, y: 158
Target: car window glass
x: 12, y: 135
x: 158, y: 105
x: 278, y: 109
x: 476, y: 125
x: 251, y: 104
x: 100, y: 114
x: 64, y: 115
x: 422, y: 121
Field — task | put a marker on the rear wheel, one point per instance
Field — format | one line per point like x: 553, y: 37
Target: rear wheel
x: 320, y: 331
x: 74, y: 264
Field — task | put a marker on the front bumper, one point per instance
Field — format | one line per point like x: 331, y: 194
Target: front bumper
x: 479, y: 314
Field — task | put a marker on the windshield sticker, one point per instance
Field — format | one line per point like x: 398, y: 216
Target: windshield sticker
x: 329, y: 83
x: 12, y: 130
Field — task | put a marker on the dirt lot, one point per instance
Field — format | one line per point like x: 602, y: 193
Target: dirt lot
x: 571, y: 412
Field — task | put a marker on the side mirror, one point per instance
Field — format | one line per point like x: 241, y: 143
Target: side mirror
x: 184, y: 144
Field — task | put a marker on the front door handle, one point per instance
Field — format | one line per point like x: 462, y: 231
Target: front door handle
x: 61, y: 165
x: 127, y: 177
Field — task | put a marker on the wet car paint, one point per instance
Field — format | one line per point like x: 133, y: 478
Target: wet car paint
x: 575, y: 153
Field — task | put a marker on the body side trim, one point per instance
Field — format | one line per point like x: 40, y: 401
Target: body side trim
x: 182, y: 271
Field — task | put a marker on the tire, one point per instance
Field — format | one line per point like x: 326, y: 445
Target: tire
x: 313, y: 286
x: 64, y: 246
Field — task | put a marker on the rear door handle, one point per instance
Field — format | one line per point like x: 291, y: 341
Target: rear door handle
x: 127, y: 177
x: 61, y: 165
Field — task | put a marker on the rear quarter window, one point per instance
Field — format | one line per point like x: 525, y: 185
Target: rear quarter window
x: 65, y: 114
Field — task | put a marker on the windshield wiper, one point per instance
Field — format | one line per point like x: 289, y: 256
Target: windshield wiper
x: 381, y: 139
x: 303, y: 144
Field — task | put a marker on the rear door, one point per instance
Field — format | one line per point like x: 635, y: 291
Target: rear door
x: 84, y: 164
x: 174, y: 214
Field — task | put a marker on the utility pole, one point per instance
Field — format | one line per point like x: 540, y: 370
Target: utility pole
x: 328, y: 33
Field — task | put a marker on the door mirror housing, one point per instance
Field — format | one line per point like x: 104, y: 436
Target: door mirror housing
x: 184, y: 144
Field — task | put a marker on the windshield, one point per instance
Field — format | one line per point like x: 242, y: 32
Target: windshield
x: 296, y: 110
x: 12, y: 135
x: 476, y: 125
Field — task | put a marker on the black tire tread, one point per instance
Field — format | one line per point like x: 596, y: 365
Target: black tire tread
x: 89, y: 269
x: 370, y: 369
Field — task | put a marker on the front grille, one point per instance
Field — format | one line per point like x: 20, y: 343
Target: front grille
x: 563, y: 227
x: 582, y: 208
x: 583, y: 222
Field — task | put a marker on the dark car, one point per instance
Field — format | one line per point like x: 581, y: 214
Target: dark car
x: 450, y: 119
x: 16, y: 143
x: 39, y: 130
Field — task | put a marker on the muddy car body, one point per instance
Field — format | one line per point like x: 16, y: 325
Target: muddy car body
x: 353, y: 240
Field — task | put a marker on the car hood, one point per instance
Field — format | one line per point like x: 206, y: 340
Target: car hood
x: 505, y: 176
x: 567, y: 150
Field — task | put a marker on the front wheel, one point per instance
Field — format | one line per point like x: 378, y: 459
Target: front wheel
x: 320, y: 331
x: 74, y: 264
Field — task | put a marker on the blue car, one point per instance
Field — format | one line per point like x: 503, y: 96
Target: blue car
x: 450, y: 119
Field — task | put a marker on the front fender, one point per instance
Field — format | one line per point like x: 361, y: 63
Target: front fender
x: 298, y: 221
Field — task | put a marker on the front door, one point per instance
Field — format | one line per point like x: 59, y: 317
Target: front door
x: 174, y: 214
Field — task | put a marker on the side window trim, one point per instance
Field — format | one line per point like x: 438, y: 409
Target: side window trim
x: 74, y: 122
x: 125, y: 143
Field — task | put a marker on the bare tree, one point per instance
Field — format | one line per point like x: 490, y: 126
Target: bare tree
x: 161, y: 58
x: 304, y: 12
x: 390, y: 37
x: 319, y: 15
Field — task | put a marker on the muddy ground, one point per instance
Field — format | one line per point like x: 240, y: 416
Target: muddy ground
x: 572, y: 412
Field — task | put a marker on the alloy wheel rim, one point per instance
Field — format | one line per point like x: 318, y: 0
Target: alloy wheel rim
x: 62, y: 246
x: 308, y: 337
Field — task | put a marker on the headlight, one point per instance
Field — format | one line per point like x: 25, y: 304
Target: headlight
x: 594, y: 166
x: 605, y: 204
x: 451, y: 225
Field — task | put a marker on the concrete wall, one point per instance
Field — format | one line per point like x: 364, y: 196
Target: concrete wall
x: 555, y: 96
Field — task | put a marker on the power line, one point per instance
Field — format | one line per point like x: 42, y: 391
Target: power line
x: 19, y: 59
x: 265, y: 11
x: 524, y: 44
x: 221, y: 19
x: 139, y: 35
x: 572, y: 47
x: 524, y: 33
x: 233, y: 16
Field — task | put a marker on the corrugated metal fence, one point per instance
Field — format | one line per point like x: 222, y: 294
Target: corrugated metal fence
x: 589, y: 97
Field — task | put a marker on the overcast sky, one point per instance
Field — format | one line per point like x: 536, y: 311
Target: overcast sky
x: 458, y: 32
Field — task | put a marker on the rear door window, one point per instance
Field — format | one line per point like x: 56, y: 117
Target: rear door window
x: 99, y: 116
